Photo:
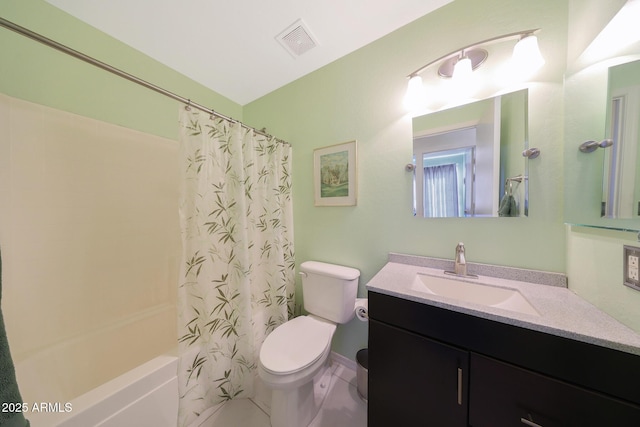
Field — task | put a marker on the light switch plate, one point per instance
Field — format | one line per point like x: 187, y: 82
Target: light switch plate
x: 631, y: 265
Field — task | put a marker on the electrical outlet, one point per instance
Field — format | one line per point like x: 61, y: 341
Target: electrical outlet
x: 631, y: 267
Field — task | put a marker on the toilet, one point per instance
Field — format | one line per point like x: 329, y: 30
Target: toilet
x: 294, y: 358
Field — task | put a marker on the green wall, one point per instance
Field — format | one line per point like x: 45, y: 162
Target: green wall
x: 360, y: 97
x: 595, y: 267
x: 37, y: 73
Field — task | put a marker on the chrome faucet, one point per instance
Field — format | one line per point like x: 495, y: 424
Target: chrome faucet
x: 460, y: 263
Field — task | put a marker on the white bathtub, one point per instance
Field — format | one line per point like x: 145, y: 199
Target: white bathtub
x: 146, y: 396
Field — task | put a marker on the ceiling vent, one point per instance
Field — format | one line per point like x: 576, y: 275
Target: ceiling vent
x: 297, y: 39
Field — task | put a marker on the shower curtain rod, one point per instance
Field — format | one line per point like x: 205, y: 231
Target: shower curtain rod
x: 86, y: 58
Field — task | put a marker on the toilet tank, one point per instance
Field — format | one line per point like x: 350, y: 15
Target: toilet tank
x: 329, y: 291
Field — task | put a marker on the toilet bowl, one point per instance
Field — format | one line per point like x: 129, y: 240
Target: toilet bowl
x: 291, y: 358
x: 294, y: 358
x: 294, y: 352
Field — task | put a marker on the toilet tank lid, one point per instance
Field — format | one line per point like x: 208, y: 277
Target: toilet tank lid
x: 330, y: 270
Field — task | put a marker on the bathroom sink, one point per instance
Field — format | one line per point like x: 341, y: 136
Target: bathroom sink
x: 476, y: 293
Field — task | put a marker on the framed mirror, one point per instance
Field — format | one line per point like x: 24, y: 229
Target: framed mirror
x: 468, y: 160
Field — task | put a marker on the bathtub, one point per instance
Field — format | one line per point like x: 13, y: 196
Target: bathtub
x: 146, y: 396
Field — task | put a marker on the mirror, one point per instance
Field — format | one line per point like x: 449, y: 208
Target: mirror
x: 600, y: 185
x: 621, y: 177
x: 468, y: 160
x: 591, y: 191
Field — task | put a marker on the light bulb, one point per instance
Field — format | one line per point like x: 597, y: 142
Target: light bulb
x: 416, y: 96
x: 526, y: 55
x: 462, y: 70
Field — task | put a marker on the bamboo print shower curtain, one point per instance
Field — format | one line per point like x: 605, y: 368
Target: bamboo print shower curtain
x: 237, y: 272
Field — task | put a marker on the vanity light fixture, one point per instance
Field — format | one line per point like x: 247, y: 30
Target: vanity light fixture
x: 460, y: 64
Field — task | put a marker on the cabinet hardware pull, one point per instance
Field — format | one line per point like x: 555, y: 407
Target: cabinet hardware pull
x: 459, y: 386
x: 529, y: 423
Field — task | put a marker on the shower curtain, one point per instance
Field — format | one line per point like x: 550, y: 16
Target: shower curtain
x: 237, y: 272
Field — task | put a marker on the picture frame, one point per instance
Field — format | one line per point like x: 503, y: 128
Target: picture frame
x: 335, y: 175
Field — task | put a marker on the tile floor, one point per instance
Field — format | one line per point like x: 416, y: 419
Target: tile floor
x: 341, y: 408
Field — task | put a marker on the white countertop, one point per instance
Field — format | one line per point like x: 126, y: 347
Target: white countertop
x: 562, y: 312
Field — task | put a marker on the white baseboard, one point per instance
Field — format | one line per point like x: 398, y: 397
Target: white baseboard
x: 344, y: 361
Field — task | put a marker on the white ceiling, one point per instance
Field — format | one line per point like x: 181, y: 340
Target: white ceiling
x: 230, y: 46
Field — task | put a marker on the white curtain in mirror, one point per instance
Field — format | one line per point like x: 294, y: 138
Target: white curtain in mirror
x: 441, y: 191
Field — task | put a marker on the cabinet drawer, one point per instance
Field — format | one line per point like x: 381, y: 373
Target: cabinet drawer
x: 505, y: 395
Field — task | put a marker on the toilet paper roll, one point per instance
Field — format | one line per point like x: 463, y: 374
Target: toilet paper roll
x: 362, y: 309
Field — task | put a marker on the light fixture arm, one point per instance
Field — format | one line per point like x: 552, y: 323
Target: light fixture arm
x: 457, y: 52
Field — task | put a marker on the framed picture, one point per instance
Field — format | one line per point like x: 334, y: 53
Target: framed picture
x: 334, y: 175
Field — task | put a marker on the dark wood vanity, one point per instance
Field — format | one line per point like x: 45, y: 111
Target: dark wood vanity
x: 430, y: 366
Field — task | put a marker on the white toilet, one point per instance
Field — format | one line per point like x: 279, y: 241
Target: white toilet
x: 294, y: 357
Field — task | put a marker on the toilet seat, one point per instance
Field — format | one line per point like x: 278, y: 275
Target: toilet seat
x: 296, y: 344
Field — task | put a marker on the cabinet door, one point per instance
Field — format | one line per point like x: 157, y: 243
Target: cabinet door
x: 415, y: 381
x: 505, y: 395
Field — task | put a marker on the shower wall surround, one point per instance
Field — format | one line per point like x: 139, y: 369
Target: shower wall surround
x: 90, y: 245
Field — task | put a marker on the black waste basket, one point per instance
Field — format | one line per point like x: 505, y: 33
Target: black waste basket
x: 362, y: 372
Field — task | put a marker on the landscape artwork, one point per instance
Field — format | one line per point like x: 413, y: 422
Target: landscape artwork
x: 335, y: 175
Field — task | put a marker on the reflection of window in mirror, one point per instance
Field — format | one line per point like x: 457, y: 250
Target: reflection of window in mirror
x: 444, y: 184
x: 448, y: 182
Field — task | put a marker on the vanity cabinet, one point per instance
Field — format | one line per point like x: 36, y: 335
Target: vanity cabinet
x: 502, y: 375
x: 418, y: 381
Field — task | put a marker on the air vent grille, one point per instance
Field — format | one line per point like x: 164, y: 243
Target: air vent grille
x: 297, y: 39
